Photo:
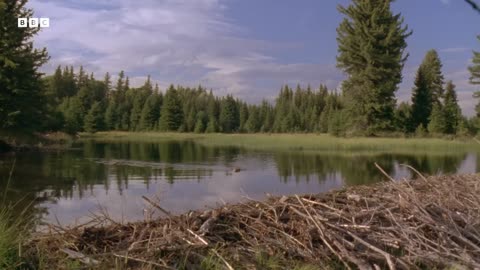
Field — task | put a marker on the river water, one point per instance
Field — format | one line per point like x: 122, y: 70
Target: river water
x: 69, y: 187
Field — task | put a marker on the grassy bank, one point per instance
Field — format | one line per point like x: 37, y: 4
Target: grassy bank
x: 11, y: 234
x: 429, y: 223
x: 305, y: 142
x: 18, y: 141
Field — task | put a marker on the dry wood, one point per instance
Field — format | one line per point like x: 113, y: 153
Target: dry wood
x: 433, y: 222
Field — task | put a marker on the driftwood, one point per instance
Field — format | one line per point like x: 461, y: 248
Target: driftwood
x: 432, y: 222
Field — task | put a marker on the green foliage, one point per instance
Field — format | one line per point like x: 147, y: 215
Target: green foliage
x: 73, y: 112
x: 403, y: 116
x: 475, y: 76
x: 437, y: 123
x: 22, y: 99
x: 229, y: 115
x: 452, y: 111
x: 432, y: 67
x: 336, y: 123
x: 421, y: 131
x: 421, y: 101
x: 151, y: 112
x: 172, y: 114
x: 371, y: 45
x: 94, y: 119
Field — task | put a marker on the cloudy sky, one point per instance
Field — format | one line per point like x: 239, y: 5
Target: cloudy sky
x: 248, y: 48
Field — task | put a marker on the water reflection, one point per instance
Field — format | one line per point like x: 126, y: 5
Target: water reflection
x: 69, y: 185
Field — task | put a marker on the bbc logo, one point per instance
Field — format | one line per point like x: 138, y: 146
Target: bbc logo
x: 33, y: 22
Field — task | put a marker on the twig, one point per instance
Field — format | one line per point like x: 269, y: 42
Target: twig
x: 198, y: 237
x: 223, y: 260
x: 165, y: 266
x: 384, y: 173
x: 157, y: 206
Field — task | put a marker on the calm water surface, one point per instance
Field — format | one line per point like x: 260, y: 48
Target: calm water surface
x: 69, y: 186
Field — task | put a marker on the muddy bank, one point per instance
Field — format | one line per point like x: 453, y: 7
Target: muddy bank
x: 427, y: 223
x: 35, y: 142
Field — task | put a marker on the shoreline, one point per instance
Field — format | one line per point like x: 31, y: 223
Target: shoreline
x: 430, y: 222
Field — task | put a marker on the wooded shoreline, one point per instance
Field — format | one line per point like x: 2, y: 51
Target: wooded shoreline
x: 431, y: 222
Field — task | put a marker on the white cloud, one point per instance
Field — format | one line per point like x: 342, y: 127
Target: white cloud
x: 175, y: 41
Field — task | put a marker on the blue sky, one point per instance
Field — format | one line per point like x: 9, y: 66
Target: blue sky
x: 248, y: 48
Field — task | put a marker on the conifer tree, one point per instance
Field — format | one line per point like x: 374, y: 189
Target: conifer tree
x: 403, y: 118
x: 243, y: 116
x: 432, y: 67
x: 111, y: 117
x: 171, y: 116
x: 94, y: 119
x: 73, y: 111
x: 475, y: 76
x: 437, y: 120
x: 421, y: 101
x: 371, y: 45
x: 200, y: 125
x: 150, y: 113
x: 452, y: 111
x: 229, y: 115
x: 253, y: 123
x: 22, y: 100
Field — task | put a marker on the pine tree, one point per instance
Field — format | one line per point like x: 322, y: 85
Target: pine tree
x: 452, y: 111
x: 437, y: 123
x: 421, y: 101
x: 111, y: 116
x: 150, y: 113
x: 432, y: 67
x: 371, y: 45
x: 243, y: 116
x: 403, y: 118
x: 475, y: 76
x: 94, y: 119
x: 22, y: 101
x: 107, y: 84
x: 212, y: 125
x: 136, y: 112
x: 200, y: 125
x: 171, y: 116
x: 229, y: 115
x: 253, y: 123
x: 73, y: 111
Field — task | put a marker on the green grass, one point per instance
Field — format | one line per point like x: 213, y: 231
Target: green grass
x: 10, y: 239
x: 304, y: 142
x: 13, y: 230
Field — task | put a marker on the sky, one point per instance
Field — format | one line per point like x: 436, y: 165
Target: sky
x: 248, y: 48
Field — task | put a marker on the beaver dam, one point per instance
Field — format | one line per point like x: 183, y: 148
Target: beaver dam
x: 430, y: 222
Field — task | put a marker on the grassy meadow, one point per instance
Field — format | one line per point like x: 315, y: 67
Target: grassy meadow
x: 297, y: 142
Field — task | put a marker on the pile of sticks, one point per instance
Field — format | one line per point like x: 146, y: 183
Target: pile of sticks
x: 429, y: 223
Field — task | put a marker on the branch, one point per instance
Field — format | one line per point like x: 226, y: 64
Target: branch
x: 473, y: 4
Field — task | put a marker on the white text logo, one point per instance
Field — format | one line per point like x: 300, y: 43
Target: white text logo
x: 33, y: 22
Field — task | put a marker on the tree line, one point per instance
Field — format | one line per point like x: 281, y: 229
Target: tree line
x: 79, y: 102
x: 371, y: 52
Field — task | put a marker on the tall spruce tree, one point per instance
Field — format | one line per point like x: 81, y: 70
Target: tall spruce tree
x: 437, y: 124
x: 421, y: 102
x: 229, y: 115
x: 22, y: 101
x: 150, y: 112
x: 371, y: 45
x: 171, y: 116
x: 453, y: 112
x: 432, y: 67
x: 403, y: 118
x: 94, y: 119
x: 475, y: 76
